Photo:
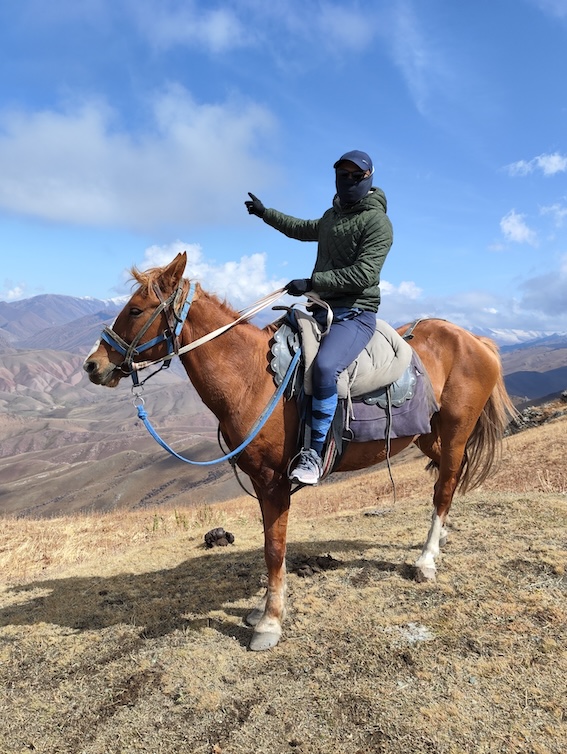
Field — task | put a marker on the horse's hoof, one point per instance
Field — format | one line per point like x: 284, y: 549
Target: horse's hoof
x: 424, y: 573
x: 254, y: 616
x: 262, y: 640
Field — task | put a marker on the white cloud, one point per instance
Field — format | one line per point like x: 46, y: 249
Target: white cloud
x: 167, y: 25
x: 77, y: 166
x: 469, y: 309
x: 241, y: 281
x: 279, y: 28
x: 13, y: 293
x: 515, y: 229
x: 557, y: 211
x: 556, y: 8
x: 496, y: 246
x: 542, y: 305
x: 548, y: 293
x: 406, y: 289
x: 519, y: 168
x: 415, y: 44
x: 245, y: 280
x: 346, y: 27
x: 411, y: 52
x: 548, y: 164
x: 159, y: 256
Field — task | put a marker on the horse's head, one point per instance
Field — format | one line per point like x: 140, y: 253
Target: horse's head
x: 146, y: 329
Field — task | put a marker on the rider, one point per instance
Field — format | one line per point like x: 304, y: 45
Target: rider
x: 354, y: 236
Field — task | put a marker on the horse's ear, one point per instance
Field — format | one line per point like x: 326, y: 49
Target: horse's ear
x: 172, y: 274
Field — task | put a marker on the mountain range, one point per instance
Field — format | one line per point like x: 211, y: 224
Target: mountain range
x: 68, y: 445
x: 51, y: 321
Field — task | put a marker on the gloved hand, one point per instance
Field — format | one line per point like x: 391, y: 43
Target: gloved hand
x: 255, y: 206
x: 298, y: 287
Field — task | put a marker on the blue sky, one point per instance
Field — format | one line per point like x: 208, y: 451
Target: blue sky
x: 131, y: 129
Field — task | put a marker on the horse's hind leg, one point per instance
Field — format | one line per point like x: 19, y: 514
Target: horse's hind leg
x: 425, y: 568
x: 449, y: 462
x: 267, y: 616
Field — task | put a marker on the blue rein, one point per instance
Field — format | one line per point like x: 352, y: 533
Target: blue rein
x: 262, y: 419
x: 130, y: 350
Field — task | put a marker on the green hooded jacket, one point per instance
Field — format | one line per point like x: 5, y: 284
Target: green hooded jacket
x: 353, y: 243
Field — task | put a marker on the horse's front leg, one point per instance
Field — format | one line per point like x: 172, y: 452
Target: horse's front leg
x: 267, y: 617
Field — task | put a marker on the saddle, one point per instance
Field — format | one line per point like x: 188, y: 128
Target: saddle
x: 383, y: 366
x: 385, y: 393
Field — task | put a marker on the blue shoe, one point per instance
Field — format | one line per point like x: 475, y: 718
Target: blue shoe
x: 308, y: 468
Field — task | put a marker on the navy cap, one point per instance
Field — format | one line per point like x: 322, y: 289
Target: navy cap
x: 360, y: 159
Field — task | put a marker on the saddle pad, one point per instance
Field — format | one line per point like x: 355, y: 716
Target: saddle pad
x: 382, y: 362
x: 370, y: 422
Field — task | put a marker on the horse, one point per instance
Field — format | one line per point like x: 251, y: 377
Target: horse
x: 231, y: 374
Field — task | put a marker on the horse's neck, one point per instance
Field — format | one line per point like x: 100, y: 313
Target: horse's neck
x: 229, y: 369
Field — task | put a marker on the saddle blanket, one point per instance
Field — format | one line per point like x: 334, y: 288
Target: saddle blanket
x: 366, y: 422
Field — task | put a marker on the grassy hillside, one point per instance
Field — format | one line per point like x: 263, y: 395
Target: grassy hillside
x: 120, y: 633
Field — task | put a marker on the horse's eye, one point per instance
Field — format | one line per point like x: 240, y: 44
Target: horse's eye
x: 135, y: 312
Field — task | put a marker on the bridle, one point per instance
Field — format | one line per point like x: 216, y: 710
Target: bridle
x: 175, y: 309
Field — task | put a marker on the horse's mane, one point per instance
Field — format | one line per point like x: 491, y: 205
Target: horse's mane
x: 147, y: 278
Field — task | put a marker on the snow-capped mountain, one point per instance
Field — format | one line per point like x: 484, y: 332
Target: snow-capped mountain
x: 518, y: 338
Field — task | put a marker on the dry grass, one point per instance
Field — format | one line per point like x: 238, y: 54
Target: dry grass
x: 119, y: 633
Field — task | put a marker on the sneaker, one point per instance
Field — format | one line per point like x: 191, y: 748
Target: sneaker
x: 308, y: 468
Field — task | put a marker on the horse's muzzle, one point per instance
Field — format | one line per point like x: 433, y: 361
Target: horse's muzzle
x: 108, y: 376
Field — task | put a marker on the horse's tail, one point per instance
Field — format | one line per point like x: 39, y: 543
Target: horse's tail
x: 484, y: 447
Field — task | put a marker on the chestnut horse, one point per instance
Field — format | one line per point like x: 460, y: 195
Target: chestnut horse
x: 232, y: 376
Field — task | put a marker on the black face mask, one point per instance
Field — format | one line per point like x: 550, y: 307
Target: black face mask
x: 351, y: 191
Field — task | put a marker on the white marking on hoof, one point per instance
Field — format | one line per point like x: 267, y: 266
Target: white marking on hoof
x: 425, y: 564
x: 425, y: 573
x: 262, y: 641
x: 266, y: 634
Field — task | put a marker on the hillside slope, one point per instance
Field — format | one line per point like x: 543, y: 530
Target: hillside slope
x: 120, y: 633
x: 67, y: 445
